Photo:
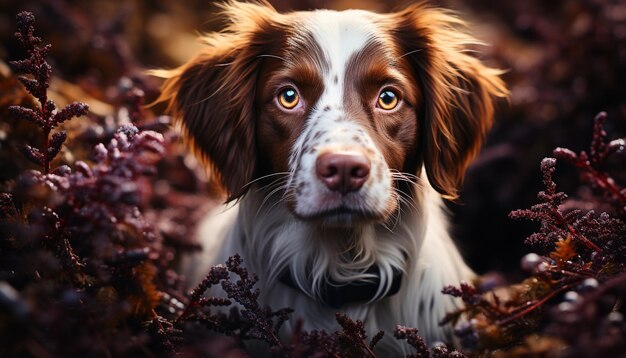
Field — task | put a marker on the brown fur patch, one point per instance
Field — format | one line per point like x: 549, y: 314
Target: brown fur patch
x: 458, y: 91
x: 213, y: 95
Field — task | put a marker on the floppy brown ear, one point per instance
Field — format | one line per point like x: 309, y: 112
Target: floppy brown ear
x: 212, y: 96
x: 458, y: 92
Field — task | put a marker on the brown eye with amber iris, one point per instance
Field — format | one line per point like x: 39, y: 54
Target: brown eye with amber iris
x: 288, y: 98
x: 387, y: 100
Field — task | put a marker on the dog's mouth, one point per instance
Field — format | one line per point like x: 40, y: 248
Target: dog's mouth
x: 343, y: 216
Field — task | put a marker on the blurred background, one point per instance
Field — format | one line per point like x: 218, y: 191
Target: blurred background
x: 565, y: 61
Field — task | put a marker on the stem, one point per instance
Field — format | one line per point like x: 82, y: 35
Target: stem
x: 185, y: 312
x: 574, y: 233
x: 575, y: 274
x: 606, y: 183
x: 40, y: 62
x: 46, y: 144
x: 533, y: 306
x: 46, y: 129
x: 368, y: 349
x: 583, y: 239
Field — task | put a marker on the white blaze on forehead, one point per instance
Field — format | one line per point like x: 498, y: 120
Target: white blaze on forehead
x: 339, y: 35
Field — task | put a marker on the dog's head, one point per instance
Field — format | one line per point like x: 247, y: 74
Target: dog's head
x: 335, y: 108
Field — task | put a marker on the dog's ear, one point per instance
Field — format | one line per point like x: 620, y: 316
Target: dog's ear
x: 212, y: 95
x: 457, y: 91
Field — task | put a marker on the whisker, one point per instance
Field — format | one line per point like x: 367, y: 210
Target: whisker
x: 264, y: 177
x: 285, y: 197
x: 407, y: 177
x: 273, y: 185
x: 400, y: 175
x: 396, y: 173
x: 267, y: 197
x: 399, y: 210
x: 405, y: 200
x: 406, y: 180
x: 384, y: 225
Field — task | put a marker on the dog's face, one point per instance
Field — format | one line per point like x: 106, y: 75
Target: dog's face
x: 334, y: 109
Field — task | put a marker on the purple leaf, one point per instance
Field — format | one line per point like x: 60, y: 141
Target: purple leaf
x: 55, y: 144
x: 26, y: 113
x: 75, y: 109
x: 33, y: 154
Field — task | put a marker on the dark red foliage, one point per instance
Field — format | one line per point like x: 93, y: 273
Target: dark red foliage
x: 47, y: 117
x: 591, y: 166
x: 249, y: 321
x: 35, y: 65
x: 76, y: 254
x: 600, y: 235
x: 89, y: 222
x: 350, y: 341
x: 555, y: 224
x: 421, y: 350
x: 578, y: 283
x: 411, y: 336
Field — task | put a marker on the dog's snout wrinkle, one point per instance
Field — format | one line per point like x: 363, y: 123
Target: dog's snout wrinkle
x: 343, y: 172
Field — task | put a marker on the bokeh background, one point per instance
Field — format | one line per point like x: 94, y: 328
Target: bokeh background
x: 565, y: 61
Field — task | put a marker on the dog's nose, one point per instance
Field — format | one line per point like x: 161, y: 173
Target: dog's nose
x: 343, y: 172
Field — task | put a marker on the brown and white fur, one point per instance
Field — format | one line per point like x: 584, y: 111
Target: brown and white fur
x: 289, y: 216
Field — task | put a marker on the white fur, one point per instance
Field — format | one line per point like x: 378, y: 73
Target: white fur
x: 270, y: 238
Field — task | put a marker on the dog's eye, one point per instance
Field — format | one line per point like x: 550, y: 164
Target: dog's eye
x: 387, y: 100
x: 288, y: 98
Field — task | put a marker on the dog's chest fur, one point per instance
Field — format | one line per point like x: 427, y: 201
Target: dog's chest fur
x: 269, y: 239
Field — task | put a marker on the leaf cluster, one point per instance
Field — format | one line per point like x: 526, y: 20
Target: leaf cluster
x: 580, y: 278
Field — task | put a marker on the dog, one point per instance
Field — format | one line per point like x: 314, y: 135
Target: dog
x: 335, y: 135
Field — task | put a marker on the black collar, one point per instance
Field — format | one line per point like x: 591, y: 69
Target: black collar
x: 335, y: 295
